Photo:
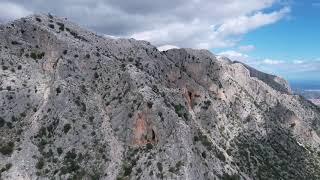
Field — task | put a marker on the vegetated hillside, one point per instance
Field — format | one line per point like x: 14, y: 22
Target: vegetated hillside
x: 75, y: 105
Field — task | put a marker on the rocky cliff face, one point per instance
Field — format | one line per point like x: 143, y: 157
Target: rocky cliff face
x: 75, y: 105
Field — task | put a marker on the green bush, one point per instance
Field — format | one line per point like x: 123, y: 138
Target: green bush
x: 6, y: 168
x: 130, y: 59
x: 96, y: 75
x: 36, y: 56
x: 149, y: 146
x: 150, y: 104
x: 51, y: 26
x: 176, y: 169
x: 206, y: 104
x: 159, y: 165
x: 66, y: 128
x: 58, y: 90
x: 59, y: 150
x: 204, y: 154
x: 70, y: 162
x: 41, y: 55
x: 15, y: 43
x: 139, y: 170
x: 172, y: 170
x: 71, y: 155
x: 231, y: 177
x: 180, y: 110
x: 195, y: 138
x: 61, y: 26
x: 70, y: 167
x: 10, y: 125
x: 50, y: 16
x: 7, y: 149
x: 127, y: 167
x: 178, y: 165
x: 40, y: 163
x: 33, y: 55
x: 38, y: 19
x: 4, y: 67
x: 2, y: 122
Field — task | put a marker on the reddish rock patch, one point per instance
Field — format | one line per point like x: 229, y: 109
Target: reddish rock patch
x: 190, y: 97
x: 143, y: 133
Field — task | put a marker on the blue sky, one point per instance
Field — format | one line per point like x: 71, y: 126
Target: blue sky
x: 295, y: 37
x: 275, y: 36
x: 292, y: 41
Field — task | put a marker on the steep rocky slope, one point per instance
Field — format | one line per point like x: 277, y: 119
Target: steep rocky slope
x: 75, y: 105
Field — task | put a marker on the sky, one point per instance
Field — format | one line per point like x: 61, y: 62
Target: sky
x: 280, y: 37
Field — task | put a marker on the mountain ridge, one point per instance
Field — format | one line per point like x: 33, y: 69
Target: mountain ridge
x: 78, y: 105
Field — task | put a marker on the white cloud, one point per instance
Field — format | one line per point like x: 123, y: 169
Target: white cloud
x: 10, y: 11
x: 272, y: 62
x: 298, y: 62
x: 167, y: 47
x: 202, y: 34
x: 246, y: 23
x: 246, y: 48
x: 308, y: 69
x: 296, y: 69
x: 110, y: 36
x: 235, y: 56
x: 195, y: 24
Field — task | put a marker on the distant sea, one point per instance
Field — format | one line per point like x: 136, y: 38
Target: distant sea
x: 305, y: 85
